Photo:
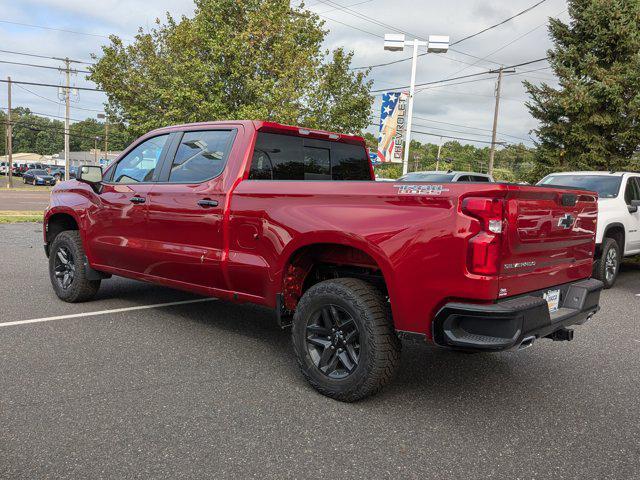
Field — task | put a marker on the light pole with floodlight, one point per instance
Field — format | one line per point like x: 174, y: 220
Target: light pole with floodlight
x: 395, y: 43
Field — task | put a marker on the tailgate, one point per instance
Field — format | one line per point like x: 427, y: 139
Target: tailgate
x: 549, y: 239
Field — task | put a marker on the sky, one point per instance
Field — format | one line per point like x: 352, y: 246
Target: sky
x: 77, y: 28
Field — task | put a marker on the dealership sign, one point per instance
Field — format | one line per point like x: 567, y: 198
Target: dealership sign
x: 392, y: 127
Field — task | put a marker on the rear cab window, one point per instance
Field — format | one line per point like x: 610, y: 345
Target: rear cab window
x: 286, y: 157
x: 607, y: 186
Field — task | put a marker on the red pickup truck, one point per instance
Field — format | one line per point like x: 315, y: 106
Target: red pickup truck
x: 292, y: 219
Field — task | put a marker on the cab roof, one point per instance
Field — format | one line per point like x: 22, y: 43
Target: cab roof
x: 271, y: 127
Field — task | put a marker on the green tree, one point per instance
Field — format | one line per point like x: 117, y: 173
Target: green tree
x: 259, y: 59
x: 590, y: 122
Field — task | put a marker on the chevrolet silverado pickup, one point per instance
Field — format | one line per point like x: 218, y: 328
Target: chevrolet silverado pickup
x: 292, y: 219
x: 618, y: 232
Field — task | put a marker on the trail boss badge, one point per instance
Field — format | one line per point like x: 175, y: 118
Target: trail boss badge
x: 420, y: 189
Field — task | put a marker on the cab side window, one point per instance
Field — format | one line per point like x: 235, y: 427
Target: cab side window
x: 141, y: 163
x: 633, y: 190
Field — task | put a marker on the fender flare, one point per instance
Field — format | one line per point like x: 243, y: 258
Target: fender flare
x: 336, y: 238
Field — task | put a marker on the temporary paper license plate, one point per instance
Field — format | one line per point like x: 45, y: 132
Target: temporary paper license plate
x: 553, y: 300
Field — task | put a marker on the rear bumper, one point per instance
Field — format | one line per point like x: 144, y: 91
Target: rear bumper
x: 515, y: 322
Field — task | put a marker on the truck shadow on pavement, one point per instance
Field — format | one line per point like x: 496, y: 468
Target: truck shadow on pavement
x: 426, y: 375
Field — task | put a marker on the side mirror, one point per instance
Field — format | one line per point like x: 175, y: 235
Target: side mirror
x: 91, y: 175
x: 633, y: 208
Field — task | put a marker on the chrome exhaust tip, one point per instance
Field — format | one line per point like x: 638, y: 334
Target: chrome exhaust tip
x: 527, y: 342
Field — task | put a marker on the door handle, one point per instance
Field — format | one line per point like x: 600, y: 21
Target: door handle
x: 206, y: 203
x: 137, y: 200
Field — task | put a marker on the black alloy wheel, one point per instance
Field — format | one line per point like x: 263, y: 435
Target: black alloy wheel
x: 64, y: 268
x: 344, y: 338
x: 68, y: 270
x: 333, y: 341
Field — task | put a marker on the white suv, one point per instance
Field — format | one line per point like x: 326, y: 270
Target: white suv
x: 618, y: 216
x: 443, y: 176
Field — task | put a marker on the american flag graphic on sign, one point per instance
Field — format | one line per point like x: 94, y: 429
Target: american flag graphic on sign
x: 392, y: 120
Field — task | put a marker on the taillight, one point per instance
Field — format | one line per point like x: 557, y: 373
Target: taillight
x: 484, y: 248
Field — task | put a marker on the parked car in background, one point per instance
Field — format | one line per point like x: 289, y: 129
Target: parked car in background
x: 446, y: 177
x: 4, y: 168
x: 618, y: 232
x: 290, y: 218
x: 19, y: 169
x: 57, y: 172
x: 38, y: 177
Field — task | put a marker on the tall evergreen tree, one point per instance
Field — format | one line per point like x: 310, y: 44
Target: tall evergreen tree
x: 592, y: 120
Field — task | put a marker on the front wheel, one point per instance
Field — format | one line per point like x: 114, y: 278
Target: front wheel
x: 606, y: 268
x: 344, y: 339
x: 67, y: 269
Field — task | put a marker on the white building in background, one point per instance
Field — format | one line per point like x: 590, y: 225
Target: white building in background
x: 87, y: 157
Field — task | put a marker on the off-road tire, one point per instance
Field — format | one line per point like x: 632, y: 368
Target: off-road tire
x: 379, y: 345
x: 81, y: 289
x: 600, y: 267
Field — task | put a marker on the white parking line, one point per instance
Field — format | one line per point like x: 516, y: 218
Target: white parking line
x: 105, y: 312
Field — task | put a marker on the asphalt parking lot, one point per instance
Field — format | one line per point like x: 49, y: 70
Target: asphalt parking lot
x: 23, y: 199
x: 210, y: 389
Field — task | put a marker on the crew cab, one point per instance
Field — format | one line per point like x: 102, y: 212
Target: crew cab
x: 292, y: 219
x: 618, y: 233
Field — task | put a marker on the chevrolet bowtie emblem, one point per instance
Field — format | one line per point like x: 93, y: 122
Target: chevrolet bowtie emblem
x: 566, y: 221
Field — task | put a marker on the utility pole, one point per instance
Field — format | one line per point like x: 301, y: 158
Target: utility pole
x: 492, y: 152
x: 438, y: 158
x: 95, y: 150
x: 106, y: 134
x: 67, y: 100
x: 9, y: 137
x: 106, y: 138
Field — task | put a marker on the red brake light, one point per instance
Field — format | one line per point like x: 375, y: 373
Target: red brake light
x: 488, y: 210
x: 484, y: 248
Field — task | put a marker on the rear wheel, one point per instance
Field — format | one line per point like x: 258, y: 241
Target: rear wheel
x: 606, y: 268
x: 344, y: 339
x: 67, y: 269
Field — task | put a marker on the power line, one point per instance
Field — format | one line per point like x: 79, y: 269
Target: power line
x: 41, y: 66
x: 435, y: 82
x: 35, y: 55
x: 458, y: 41
x: 425, y: 119
x: 44, y: 128
x: 367, y: 18
x: 432, y: 134
x: 332, y: 9
x: 52, y: 85
x: 57, y: 102
x: 498, y: 24
x: 454, y: 138
x: 482, y: 135
x: 486, y: 57
x: 52, y: 28
x: 39, y: 114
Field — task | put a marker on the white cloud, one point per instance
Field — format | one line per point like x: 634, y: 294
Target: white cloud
x: 468, y: 104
